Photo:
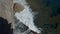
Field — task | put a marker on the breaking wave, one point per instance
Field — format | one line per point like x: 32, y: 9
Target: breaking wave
x: 25, y: 17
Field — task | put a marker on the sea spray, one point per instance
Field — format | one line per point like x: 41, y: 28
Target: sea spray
x: 26, y: 16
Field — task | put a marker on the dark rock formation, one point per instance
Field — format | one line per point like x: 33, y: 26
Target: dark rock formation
x: 4, y: 26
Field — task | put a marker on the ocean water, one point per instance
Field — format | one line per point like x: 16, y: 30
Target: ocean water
x: 44, y: 10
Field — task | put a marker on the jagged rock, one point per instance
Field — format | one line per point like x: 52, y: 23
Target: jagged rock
x: 17, y: 7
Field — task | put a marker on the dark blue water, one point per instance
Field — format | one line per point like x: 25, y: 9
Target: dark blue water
x: 54, y: 4
x: 41, y: 19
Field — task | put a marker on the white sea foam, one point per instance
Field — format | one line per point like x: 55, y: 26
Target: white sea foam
x: 26, y: 16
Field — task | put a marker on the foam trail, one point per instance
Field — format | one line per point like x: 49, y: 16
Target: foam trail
x: 26, y: 16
